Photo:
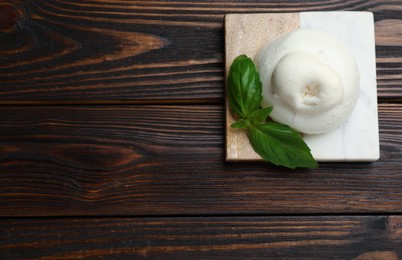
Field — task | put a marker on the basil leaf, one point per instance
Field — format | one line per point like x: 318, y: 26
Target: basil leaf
x: 244, y: 87
x: 241, y: 123
x: 273, y: 141
x: 260, y: 115
x: 281, y: 145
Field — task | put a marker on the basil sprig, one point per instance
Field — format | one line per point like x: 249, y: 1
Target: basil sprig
x: 274, y: 142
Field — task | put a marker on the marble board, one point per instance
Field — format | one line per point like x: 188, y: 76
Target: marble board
x: 358, y: 138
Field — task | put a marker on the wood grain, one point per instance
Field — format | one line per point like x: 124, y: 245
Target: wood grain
x: 169, y: 160
x: 142, y: 51
x: 318, y: 237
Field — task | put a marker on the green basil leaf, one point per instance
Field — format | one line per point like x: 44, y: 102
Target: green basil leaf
x: 281, y: 145
x: 244, y: 87
x: 260, y: 115
x: 241, y: 123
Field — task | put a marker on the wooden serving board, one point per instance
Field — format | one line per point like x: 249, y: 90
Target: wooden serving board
x: 357, y: 139
x: 246, y: 34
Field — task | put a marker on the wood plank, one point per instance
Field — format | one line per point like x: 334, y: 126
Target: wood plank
x: 340, y: 237
x: 153, y: 160
x: 141, y: 51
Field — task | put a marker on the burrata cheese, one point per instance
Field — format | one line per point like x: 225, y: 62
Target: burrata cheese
x: 310, y: 78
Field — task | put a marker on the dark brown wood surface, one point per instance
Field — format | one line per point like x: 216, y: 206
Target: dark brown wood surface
x: 112, y: 141
x: 150, y: 51
x: 318, y: 237
x: 168, y: 160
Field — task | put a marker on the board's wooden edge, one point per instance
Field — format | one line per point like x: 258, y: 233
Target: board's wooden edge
x: 253, y: 31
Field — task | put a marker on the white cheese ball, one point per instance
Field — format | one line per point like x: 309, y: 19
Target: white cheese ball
x: 310, y: 78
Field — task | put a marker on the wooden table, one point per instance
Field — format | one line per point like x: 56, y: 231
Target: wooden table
x: 112, y: 141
